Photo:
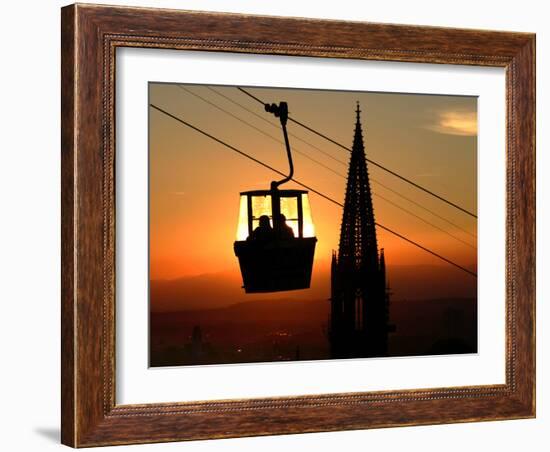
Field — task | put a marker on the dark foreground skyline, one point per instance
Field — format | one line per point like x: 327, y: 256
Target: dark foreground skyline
x: 290, y: 330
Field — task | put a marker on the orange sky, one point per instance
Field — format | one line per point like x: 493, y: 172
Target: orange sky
x: 195, y: 182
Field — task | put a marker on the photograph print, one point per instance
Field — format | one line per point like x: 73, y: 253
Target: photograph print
x: 295, y: 224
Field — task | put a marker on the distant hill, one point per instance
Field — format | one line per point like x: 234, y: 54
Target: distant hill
x: 196, y: 292
x: 223, y: 289
x: 287, y: 311
x: 426, y: 282
x: 410, y: 316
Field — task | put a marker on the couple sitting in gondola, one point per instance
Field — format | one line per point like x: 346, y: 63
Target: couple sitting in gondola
x: 265, y: 233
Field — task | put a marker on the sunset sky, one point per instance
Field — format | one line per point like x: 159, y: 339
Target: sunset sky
x: 195, y: 182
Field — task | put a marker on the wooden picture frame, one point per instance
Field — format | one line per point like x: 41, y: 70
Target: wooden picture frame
x: 90, y: 36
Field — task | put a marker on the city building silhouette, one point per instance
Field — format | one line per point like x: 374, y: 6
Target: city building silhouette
x: 359, y: 319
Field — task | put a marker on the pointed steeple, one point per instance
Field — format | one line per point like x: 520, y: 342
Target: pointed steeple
x: 359, y: 300
x: 358, y: 246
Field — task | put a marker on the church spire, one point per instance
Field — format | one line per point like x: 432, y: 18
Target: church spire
x: 358, y: 246
x: 359, y: 302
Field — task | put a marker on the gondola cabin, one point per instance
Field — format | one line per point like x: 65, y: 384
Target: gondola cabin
x: 275, y: 240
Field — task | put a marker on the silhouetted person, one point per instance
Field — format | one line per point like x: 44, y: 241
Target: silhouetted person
x: 284, y: 231
x: 263, y: 232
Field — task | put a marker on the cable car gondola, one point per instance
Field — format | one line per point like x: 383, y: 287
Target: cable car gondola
x: 275, y: 236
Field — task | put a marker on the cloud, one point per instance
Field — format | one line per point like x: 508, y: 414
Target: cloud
x: 462, y: 123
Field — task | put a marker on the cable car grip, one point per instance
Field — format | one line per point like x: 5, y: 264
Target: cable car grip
x: 281, y: 111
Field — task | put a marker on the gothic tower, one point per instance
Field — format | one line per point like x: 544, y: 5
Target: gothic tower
x: 359, y: 297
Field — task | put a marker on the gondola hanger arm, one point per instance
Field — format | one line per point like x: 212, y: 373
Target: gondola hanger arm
x: 281, y: 111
